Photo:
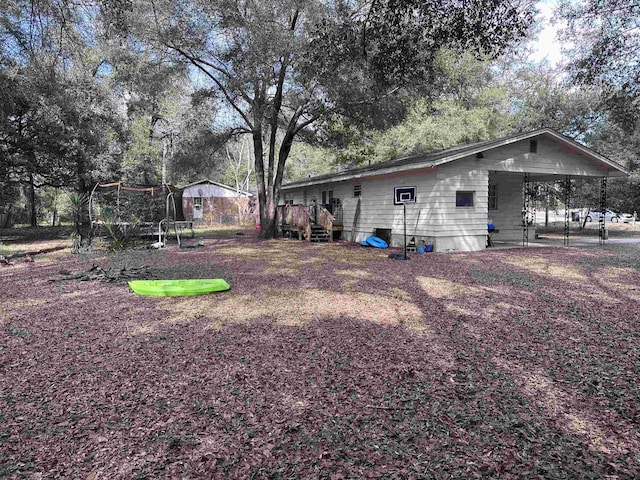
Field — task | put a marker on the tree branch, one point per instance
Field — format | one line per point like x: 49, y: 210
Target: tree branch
x: 277, y: 106
x: 197, y: 63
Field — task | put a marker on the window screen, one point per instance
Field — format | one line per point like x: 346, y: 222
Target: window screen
x: 464, y: 199
x: 493, y: 197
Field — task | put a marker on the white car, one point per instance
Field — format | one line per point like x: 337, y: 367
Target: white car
x: 609, y: 216
x: 625, y: 217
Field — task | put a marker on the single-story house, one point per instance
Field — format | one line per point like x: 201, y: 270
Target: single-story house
x: 456, y: 192
x: 206, y: 201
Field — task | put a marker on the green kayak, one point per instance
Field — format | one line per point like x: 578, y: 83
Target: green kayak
x: 173, y: 288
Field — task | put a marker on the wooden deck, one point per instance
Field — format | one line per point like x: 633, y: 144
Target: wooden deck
x: 313, y: 223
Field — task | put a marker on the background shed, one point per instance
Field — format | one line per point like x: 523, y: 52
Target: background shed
x: 213, y: 203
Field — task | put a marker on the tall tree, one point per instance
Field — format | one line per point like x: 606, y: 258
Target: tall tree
x: 155, y: 92
x: 605, y: 35
x: 58, y: 114
x: 283, y: 66
x: 605, y: 39
x: 197, y: 147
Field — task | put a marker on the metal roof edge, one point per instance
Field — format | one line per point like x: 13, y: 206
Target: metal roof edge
x: 464, y: 152
x: 222, y: 185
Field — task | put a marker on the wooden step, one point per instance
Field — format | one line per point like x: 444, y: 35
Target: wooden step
x: 319, y: 234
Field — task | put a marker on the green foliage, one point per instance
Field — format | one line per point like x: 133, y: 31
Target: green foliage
x: 198, y: 151
x: 54, y: 205
x: 470, y: 107
x: 606, y: 41
x: 442, y: 124
x: 122, y: 237
x: 142, y: 161
x: 58, y: 116
x: 285, y: 65
x: 605, y: 36
x: 540, y: 99
x: 397, y: 40
x: 306, y: 160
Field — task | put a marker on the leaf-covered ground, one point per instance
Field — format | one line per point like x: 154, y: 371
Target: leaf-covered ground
x: 324, y: 361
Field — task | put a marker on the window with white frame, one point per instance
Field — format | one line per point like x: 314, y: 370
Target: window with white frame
x: 357, y: 190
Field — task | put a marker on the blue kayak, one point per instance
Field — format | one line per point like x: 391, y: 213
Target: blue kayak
x: 376, y: 242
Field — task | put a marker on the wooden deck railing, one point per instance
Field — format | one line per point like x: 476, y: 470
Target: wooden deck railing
x: 324, y: 218
x: 295, y: 216
x: 301, y: 217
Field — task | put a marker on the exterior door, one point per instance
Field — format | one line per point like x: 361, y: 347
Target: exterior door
x: 326, y: 196
x: 197, y: 208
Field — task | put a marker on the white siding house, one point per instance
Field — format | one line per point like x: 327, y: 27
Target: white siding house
x: 454, y: 186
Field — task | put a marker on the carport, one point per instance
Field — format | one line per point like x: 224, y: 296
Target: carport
x: 513, y: 186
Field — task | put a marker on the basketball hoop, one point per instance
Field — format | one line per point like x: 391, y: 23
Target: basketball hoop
x: 403, y: 196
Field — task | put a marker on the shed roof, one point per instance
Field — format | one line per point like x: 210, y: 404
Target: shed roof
x: 432, y: 159
x: 221, y: 185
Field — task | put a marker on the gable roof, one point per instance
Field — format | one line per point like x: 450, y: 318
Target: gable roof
x: 440, y: 157
x: 221, y: 185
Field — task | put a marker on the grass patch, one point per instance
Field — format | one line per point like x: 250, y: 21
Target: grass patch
x: 222, y: 231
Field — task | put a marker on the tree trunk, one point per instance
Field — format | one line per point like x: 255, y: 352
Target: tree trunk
x: 82, y: 222
x: 32, y: 201
x: 54, y: 216
x: 546, y: 215
x: 268, y: 222
x: 546, y: 207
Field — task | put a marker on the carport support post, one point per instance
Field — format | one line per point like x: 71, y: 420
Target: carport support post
x: 602, y: 230
x: 525, y: 210
x: 567, y: 213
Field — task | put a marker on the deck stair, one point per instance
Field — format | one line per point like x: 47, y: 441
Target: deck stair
x: 319, y: 234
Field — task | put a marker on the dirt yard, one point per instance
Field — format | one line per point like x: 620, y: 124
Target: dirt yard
x: 322, y: 361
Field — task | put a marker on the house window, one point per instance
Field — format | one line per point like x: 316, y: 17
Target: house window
x: 493, y: 197
x: 197, y: 203
x: 464, y: 199
x: 288, y: 199
x: 533, y: 146
x: 357, y: 190
x: 323, y: 194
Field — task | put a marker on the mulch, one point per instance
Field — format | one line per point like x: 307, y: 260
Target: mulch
x: 526, y: 367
